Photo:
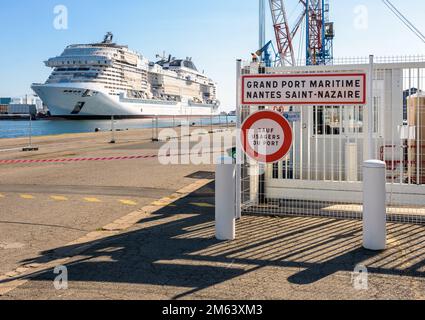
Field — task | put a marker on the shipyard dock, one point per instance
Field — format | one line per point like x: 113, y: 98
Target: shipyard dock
x: 127, y: 227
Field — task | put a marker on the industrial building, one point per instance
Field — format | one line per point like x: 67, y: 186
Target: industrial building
x: 20, y: 106
x: 5, y: 101
x: 22, y: 109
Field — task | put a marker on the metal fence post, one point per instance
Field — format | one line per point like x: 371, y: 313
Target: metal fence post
x: 239, y: 156
x: 30, y: 132
x: 370, y: 106
x: 155, y: 129
x: 212, y: 125
x: 112, y: 130
x: 30, y: 146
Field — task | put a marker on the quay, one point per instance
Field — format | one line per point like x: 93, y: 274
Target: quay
x: 135, y: 229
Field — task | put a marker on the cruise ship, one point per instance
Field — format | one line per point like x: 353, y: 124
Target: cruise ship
x: 101, y: 80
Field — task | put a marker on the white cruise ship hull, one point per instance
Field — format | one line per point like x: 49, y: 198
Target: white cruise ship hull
x: 67, y: 100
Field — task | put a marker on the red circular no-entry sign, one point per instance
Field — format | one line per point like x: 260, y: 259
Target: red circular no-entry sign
x: 266, y: 136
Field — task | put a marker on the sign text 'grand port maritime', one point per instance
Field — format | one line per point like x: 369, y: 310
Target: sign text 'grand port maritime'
x: 304, y: 89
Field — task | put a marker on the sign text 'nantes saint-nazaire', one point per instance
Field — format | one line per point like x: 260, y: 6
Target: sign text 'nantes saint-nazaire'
x: 304, y: 89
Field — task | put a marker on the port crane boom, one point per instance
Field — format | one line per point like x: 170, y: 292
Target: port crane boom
x: 283, y: 34
x: 319, y: 32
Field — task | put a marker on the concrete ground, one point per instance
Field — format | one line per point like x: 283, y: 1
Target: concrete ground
x: 172, y: 254
x: 150, y: 235
x: 45, y: 205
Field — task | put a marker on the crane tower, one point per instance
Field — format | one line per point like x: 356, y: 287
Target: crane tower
x: 319, y: 31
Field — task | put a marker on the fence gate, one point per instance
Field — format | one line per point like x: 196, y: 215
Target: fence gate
x: 322, y: 174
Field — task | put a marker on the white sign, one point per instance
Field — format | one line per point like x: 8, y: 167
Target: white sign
x: 304, y: 89
x: 266, y: 136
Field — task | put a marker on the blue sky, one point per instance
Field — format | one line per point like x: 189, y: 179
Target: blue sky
x: 214, y: 32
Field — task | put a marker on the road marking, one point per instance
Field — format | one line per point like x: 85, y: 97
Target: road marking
x: 23, y: 274
x: 13, y: 245
x: 162, y: 203
x: 128, y: 202
x: 27, y: 196
x: 93, y: 200
x: 202, y: 205
x: 59, y: 198
x: 158, y: 203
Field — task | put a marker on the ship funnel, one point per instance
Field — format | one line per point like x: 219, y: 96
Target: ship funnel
x: 108, y: 38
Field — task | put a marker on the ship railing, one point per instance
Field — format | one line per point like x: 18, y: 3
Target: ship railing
x: 149, y: 101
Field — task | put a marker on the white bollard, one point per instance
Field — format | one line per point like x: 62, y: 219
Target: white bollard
x: 374, y: 205
x: 225, y: 194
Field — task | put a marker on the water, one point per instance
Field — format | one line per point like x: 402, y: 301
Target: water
x: 15, y: 129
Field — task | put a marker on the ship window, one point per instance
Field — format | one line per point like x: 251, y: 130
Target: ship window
x: 176, y: 63
x: 190, y: 65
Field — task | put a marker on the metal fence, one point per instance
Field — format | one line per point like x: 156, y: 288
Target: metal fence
x: 22, y: 133
x: 338, y: 61
x: 322, y: 175
x: 209, y: 123
x: 23, y: 130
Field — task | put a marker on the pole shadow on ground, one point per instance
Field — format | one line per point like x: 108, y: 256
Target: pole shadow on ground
x: 175, y: 247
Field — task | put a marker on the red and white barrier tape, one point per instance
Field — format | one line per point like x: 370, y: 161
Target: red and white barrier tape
x: 76, y: 159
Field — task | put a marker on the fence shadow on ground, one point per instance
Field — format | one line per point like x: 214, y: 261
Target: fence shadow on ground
x: 175, y: 247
